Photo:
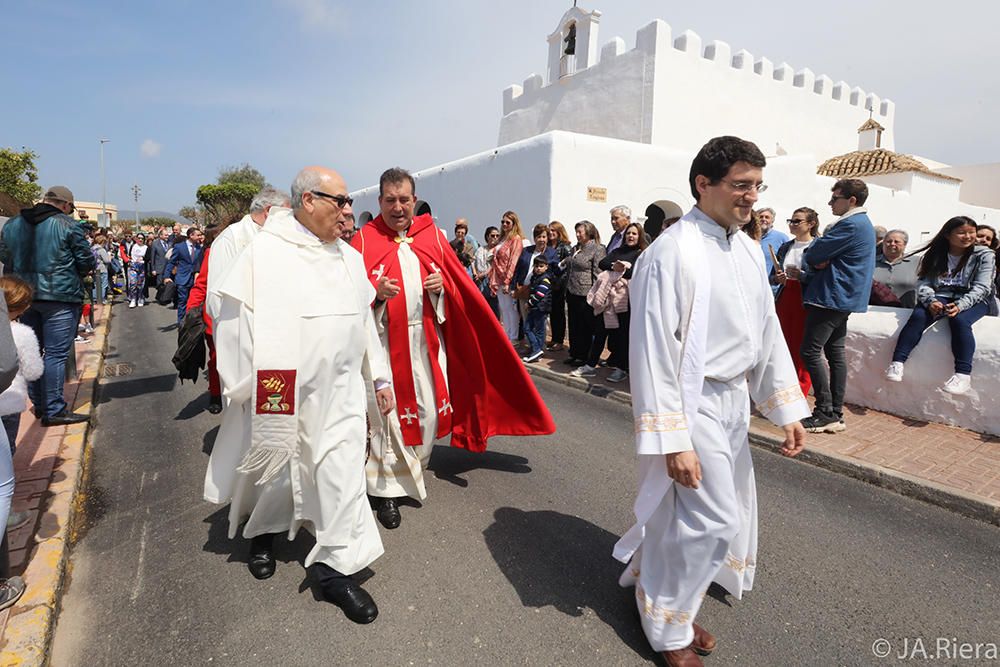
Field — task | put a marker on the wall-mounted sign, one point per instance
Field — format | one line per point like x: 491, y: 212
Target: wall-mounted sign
x: 596, y: 194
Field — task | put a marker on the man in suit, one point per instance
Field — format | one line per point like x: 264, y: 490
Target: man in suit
x: 184, y: 263
x: 158, y: 256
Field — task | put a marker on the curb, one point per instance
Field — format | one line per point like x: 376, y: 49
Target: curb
x: 29, y: 629
x: 924, y: 490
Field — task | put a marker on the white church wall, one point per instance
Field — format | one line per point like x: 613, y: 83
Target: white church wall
x: 871, y: 338
x: 663, y: 88
x: 481, y: 187
x: 979, y: 183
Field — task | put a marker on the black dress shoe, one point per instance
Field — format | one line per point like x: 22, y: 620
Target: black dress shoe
x: 261, y: 562
x: 388, y: 513
x: 355, y: 601
x: 215, y: 404
x: 64, y: 418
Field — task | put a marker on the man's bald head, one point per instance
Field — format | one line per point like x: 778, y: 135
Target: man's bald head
x: 320, y: 202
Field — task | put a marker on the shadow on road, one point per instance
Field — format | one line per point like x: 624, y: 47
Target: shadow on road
x: 447, y: 463
x: 195, y: 407
x: 554, y: 559
x: 208, y: 441
x: 237, y: 549
x: 120, y: 389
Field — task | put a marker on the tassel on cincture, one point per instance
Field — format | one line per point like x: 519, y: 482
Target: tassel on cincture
x: 389, y: 457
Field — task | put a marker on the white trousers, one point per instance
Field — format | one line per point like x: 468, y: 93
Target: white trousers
x: 509, y: 316
x: 697, y: 536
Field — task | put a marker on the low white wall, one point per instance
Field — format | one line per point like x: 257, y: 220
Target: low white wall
x: 871, y: 339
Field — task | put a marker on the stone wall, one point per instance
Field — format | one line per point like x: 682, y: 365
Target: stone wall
x: 870, y: 341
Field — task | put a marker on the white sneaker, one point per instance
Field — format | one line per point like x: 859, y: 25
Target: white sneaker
x: 142, y: 302
x: 584, y: 371
x: 88, y: 329
x: 131, y: 304
x: 958, y: 384
x: 895, y: 372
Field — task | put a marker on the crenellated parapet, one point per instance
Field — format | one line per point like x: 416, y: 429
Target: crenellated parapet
x: 665, y: 68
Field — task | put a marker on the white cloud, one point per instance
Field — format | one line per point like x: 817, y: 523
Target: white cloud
x: 150, y: 148
x: 317, y: 14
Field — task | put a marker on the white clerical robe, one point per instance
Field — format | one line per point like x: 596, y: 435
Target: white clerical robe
x: 704, y: 339
x: 323, y: 486
x: 225, y: 249
x: 395, y: 470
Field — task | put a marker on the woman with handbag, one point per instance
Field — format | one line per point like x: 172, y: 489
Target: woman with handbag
x: 582, y: 269
x: 559, y: 240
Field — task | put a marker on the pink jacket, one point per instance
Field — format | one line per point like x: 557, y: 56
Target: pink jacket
x: 505, y: 258
x: 609, y: 295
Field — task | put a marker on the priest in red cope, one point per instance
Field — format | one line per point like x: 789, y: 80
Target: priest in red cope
x: 454, y: 371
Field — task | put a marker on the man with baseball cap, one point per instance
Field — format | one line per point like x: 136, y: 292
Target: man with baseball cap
x: 47, y: 248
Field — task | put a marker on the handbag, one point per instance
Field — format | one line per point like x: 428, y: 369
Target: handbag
x: 165, y: 293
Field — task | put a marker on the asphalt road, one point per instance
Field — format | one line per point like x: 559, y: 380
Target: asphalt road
x: 507, y: 563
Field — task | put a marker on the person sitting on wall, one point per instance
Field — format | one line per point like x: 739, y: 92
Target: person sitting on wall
x: 987, y: 236
x: 956, y: 281
x: 894, y: 282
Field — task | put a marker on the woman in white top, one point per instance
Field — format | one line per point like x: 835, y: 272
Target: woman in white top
x: 137, y: 272
x: 481, y: 267
x: 804, y: 226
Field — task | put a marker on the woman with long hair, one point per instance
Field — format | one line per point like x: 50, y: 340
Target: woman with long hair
x: 956, y: 281
x: 582, y: 270
x: 559, y: 239
x: 616, y: 268
x: 137, y: 271
x: 481, y: 267
x: 502, y: 272
x: 804, y: 226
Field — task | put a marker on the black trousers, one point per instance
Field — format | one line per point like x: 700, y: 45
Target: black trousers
x: 616, y: 340
x: 581, y: 326
x: 825, y: 333
x: 558, y: 315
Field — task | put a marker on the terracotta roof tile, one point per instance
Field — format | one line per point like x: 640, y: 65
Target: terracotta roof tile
x: 873, y: 163
x: 870, y: 124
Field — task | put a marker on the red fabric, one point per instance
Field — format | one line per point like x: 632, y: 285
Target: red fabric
x: 792, y: 315
x: 196, y: 297
x: 491, y: 393
x: 275, y: 392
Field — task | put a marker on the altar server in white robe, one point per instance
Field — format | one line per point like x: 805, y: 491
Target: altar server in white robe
x: 233, y: 239
x: 295, y: 357
x: 704, y: 341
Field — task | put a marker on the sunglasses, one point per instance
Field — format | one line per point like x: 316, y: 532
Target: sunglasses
x: 341, y: 200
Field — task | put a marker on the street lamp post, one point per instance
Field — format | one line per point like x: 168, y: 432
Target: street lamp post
x: 136, y: 191
x: 104, y: 188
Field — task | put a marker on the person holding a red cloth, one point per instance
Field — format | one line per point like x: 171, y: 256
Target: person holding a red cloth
x: 804, y: 225
x: 454, y: 370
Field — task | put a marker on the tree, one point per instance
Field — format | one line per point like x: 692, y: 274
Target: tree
x: 242, y: 174
x: 19, y: 177
x: 192, y: 213
x: 227, y: 202
x: 154, y: 221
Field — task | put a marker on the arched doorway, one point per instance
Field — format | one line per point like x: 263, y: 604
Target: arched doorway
x: 422, y: 208
x: 659, y: 212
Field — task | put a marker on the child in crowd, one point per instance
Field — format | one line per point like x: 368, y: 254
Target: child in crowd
x: 18, y: 296
x: 956, y: 282
x: 539, y: 305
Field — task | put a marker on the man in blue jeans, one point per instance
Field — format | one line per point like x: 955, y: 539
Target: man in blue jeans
x: 47, y: 248
x: 837, y: 281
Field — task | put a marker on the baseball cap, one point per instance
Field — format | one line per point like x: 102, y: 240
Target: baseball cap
x: 61, y: 193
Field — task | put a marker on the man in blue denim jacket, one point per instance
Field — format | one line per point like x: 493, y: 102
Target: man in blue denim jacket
x: 837, y: 280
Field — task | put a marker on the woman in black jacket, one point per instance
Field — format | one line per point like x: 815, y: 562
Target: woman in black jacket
x: 620, y: 260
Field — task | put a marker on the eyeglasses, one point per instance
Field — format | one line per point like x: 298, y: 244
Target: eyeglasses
x: 341, y: 200
x: 793, y: 222
x: 834, y: 198
x: 743, y: 187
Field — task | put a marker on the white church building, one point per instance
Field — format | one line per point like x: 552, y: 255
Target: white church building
x: 604, y: 126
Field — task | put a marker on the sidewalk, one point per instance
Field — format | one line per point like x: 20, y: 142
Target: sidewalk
x: 950, y: 467
x: 48, y: 467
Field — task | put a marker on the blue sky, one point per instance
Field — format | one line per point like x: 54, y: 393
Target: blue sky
x: 182, y: 87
